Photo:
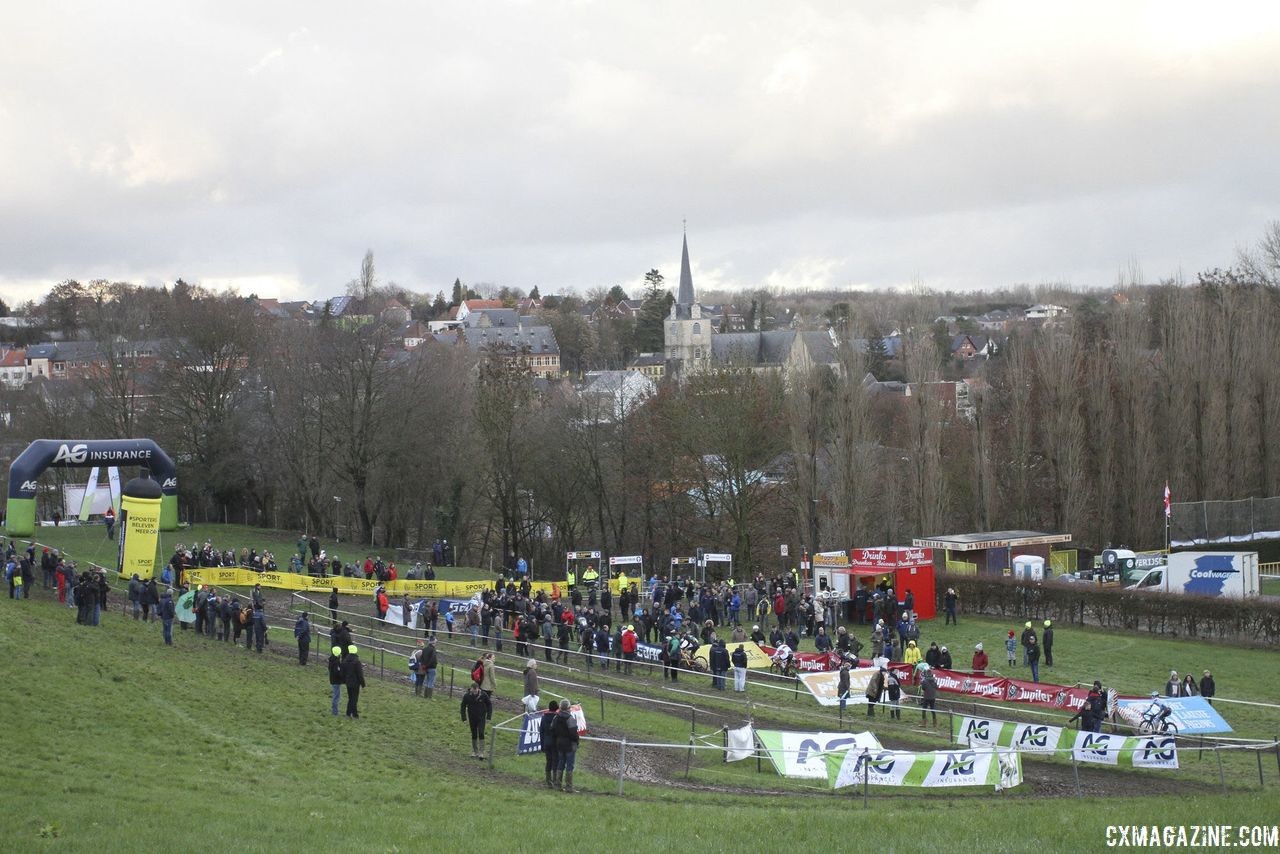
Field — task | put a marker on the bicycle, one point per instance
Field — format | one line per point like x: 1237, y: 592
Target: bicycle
x: 1156, y: 722
x: 786, y: 670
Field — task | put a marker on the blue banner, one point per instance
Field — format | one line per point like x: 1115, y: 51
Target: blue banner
x: 530, y: 735
x: 1191, y: 715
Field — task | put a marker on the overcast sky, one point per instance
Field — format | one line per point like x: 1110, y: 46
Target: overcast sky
x: 968, y: 144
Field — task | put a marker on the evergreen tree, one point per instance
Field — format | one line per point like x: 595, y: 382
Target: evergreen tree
x: 877, y: 354
x: 458, y: 293
x: 653, y: 311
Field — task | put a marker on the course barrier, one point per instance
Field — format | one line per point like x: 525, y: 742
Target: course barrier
x: 240, y: 577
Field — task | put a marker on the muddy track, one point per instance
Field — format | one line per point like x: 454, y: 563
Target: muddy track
x: 665, y: 767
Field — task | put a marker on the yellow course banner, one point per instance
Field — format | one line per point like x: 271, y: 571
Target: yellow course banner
x: 239, y: 577
x: 756, y: 658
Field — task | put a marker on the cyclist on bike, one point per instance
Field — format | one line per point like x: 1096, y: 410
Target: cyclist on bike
x: 783, y: 657
x: 1157, y: 713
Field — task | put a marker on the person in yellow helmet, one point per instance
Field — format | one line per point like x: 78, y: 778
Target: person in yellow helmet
x: 353, y: 675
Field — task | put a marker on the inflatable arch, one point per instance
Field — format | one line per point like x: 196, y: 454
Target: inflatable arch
x: 20, y: 515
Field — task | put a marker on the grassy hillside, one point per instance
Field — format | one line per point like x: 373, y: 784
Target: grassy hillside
x: 117, y: 742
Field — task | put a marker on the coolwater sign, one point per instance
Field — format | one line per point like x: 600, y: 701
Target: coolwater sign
x: 1210, y: 574
x: 582, y: 556
x: 625, y: 560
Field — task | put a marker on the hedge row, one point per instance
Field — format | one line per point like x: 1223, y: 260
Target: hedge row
x: 1254, y: 621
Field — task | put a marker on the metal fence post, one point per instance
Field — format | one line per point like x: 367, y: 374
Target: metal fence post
x: 1075, y: 770
x: 622, y: 762
x: 493, y: 738
x: 1221, y: 777
x: 688, y: 761
x: 866, y: 775
x: 601, y: 705
x: 450, y: 682
x: 693, y: 719
x: 1262, y: 784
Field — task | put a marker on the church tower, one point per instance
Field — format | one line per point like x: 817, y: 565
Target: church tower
x: 687, y: 334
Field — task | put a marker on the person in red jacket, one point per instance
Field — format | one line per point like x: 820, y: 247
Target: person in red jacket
x: 383, y: 604
x: 780, y: 609
x: 629, y: 640
x: 979, y: 660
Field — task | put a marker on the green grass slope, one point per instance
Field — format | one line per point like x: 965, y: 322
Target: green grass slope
x: 116, y: 742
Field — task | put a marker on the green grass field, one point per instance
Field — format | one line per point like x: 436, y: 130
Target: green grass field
x: 1270, y: 586
x: 90, y: 543
x: 117, y: 742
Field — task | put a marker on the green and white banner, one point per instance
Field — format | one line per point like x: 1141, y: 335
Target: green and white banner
x: 1140, y: 751
x: 800, y: 754
x: 990, y: 732
x: 1000, y: 769
x: 1147, y: 751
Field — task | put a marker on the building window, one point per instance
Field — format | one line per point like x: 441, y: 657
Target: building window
x: 697, y: 352
x: 697, y: 329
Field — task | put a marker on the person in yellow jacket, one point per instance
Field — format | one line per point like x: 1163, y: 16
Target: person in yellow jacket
x: 622, y: 580
x: 590, y: 577
x: 911, y: 655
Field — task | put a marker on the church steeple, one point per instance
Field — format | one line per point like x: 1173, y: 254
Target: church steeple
x: 684, y: 296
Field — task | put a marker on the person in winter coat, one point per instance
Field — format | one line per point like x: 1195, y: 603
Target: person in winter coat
x: 928, y: 697
x: 1173, y: 688
x: 336, y: 679
x: 739, y: 661
x: 842, y: 685
x: 1033, y: 659
x: 488, y: 683
x: 1189, y: 687
x: 353, y: 675
x: 564, y: 731
x: 428, y: 665
x: 875, y: 687
x: 302, y: 631
x: 476, y: 710
x: 933, y: 655
x: 893, y: 687
x: 532, y: 691
x: 980, y: 660
x: 757, y: 635
x: 1011, y: 647
x: 1046, y: 643
x: 1207, y: 687
x: 877, y: 640
x: 944, y: 659
x: 822, y: 641
x: 628, y: 642
x: 1028, y: 635
x: 911, y: 655
x: 333, y: 605
x: 718, y: 660
x: 547, y: 741
x: 167, y: 613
